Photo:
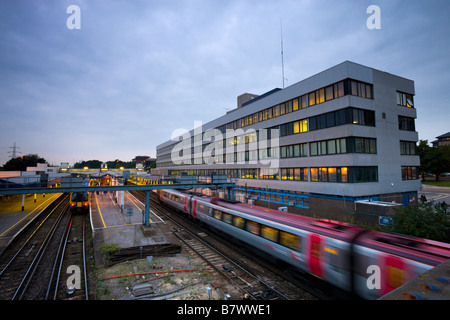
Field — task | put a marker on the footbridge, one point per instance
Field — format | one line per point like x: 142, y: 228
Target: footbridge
x: 121, y: 181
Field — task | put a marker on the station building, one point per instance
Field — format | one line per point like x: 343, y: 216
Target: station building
x: 320, y: 147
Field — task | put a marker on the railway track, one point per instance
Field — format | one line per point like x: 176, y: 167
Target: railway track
x: 69, y: 278
x: 253, y: 287
x: 23, y: 263
x: 229, y: 263
x: 34, y: 265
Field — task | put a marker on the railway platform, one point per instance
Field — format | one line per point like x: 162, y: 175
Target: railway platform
x: 122, y: 228
x: 13, y: 219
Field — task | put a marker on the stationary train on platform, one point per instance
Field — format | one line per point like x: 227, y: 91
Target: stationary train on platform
x: 367, y: 263
x: 79, y: 202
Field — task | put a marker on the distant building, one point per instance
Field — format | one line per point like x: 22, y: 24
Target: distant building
x: 443, y: 140
x: 43, y: 168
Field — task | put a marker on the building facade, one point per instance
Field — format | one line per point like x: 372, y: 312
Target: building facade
x: 442, y: 140
x: 342, y: 135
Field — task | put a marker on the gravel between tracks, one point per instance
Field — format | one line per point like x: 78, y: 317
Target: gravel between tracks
x: 185, y: 285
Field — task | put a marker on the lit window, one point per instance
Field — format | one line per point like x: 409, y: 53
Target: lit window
x: 252, y: 227
x: 405, y: 99
x: 290, y: 240
x: 314, y: 174
x: 296, y: 127
x: 303, y: 125
x: 344, y: 174
x: 238, y: 222
x: 321, y: 96
x: 269, y: 233
x: 295, y: 105
x: 312, y: 98
x: 332, y: 175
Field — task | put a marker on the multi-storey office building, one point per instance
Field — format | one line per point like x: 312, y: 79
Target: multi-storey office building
x: 345, y: 134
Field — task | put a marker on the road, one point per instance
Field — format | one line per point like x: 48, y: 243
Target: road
x: 436, y: 194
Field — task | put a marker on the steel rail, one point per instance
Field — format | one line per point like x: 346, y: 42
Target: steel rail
x: 25, y: 282
x: 226, y: 257
x: 60, y: 253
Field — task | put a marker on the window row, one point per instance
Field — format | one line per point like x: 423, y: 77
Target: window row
x: 321, y: 174
x: 328, y: 120
x: 294, y: 151
x: 361, y: 89
x: 333, y: 91
x: 343, y: 145
x: 269, y: 173
x: 325, y: 94
x: 342, y: 117
x: 319, y: 148
x: 410, y: 173
x: 295, y: 127
x: 294, y: 174
x: 329, y: 174
x: 344, y: 174
x: 249, y: 174
x: 283, y: 238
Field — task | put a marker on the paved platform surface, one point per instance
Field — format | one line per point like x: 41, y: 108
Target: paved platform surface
x: 113, y: 226
x: 431, y: 285
x: 13, y: 219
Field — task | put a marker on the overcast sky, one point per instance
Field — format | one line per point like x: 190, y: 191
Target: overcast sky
x: 138, y: 70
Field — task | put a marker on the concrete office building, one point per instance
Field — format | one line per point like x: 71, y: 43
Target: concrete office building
x: 317, y: 146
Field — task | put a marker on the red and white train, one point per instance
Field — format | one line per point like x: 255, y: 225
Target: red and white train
x: 367, y: 263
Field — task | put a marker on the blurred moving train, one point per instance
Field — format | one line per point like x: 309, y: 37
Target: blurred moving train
x: 367, y: 263
x: 79, y: 201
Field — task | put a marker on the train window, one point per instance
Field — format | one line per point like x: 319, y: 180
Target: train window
x: 227, y: 218
x: 217, y: 214
x: 80, y: 196
x: 269, y: 233
x: 252, y: 227
x: 290, y: 240
x: 238, y: 222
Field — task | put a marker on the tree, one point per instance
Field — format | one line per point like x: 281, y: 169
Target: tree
x: 422, y: 152
x: 433, y: 160
x: 422, y: 220
x: 117, y: 164
x: 91, y: 164
x: 21, y: 163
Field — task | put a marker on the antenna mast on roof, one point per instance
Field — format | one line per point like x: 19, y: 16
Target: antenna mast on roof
x: 282, y: 58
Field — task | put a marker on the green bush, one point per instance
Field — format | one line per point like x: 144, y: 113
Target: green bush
x: 424, y: 220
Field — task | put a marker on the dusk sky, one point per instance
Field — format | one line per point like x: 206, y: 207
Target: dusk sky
x: 138, y: 70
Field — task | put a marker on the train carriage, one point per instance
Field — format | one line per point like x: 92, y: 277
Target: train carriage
x: 397, y: 258
x: 319, y: 247
x: 176, y: 199
x: 339, y: 253
x: 79, y: 202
